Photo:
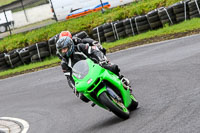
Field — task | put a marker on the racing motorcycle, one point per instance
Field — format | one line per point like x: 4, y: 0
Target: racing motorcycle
x: 103, y: 88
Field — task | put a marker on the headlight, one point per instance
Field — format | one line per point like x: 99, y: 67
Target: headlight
x: 89, y: 81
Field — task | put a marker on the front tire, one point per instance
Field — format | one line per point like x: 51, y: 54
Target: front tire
x: 113, y: 106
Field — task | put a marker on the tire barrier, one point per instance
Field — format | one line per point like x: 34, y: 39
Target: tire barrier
x: 119, y: 30
x: 194, y: 8
x: 3, y: 64
x: 108, y: 32
x: 167, y: 15
x: 142, y: 24
x: 24, y: 55
x: 181, y: 11
x: 154, y: 20
x: 39, y: 51
x: 130, y: 26
x: 13, y: 59
x: 98, y: 34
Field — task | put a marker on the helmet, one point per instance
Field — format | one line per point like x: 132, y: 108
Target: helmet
x: 65, y: 33
x: 65, y: 42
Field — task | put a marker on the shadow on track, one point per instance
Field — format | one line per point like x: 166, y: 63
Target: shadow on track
x: 109, y: 122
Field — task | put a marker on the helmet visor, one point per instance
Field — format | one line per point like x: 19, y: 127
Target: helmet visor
x: 64, y: 50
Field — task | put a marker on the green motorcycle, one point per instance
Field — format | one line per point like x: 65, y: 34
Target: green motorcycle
x: 103, y: 88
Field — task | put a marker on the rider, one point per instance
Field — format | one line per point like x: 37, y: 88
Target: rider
x: 71, y: 53
x: 77, y: 40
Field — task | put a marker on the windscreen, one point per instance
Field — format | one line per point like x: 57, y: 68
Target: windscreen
x: 80, y: 69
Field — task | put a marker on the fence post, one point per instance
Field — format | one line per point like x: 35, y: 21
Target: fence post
x: 7, y: 21
x: 53, y: 11
x: 24, y: 10
x: 102, y: 9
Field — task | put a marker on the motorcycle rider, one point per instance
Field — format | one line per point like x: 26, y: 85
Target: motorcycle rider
x: 78, y: 40
x: 71, y: 53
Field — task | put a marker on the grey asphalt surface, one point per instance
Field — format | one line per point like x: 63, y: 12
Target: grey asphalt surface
x: 165, y: 77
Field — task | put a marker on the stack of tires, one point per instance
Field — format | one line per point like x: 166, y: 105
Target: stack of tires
x: 154, y: 20
x: 81, y: 35
x: 39, y: 51
x: 142, y: 24
x: 12, y: 59
x: 3, y: 64
x: 130, y: 26
x: 194, y: 9
x: 52, y: 44
x: 24, y: 55
x: 119, y: 29
x: 98, y: 34
x: 109, y: 32
x: 181, y: 11
x: 167, y: 15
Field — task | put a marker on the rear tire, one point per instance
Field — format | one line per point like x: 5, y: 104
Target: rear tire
x: 114, y: 107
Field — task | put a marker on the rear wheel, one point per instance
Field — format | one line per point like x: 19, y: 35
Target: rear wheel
x: 114, y: 106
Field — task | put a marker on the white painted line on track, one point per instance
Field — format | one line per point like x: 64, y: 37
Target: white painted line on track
x: 22, y: 122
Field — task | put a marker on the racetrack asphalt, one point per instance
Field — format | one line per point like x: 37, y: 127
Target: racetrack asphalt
x: 165, y: 79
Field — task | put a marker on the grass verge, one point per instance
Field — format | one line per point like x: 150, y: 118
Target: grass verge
x: 169, y: 32
x: 49, y: 62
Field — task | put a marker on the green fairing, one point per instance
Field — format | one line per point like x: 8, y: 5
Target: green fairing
x: 96, y: 75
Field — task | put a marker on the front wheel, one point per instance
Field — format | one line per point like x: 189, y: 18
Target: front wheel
x: 114, y: 106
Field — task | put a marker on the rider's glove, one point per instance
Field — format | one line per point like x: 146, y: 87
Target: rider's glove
x: 96, y: 43
x: 76, y: 40
x: 102, y: 62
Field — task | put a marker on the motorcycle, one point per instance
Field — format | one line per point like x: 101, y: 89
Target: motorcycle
x: 103, y: 88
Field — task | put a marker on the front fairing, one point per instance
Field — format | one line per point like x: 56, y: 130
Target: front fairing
x: 92, y: 76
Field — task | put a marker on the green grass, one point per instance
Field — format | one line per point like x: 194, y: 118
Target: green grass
x: 178, y: 28
x: 48, y: 61
x: 5, y: 2
x: 86, y: 23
